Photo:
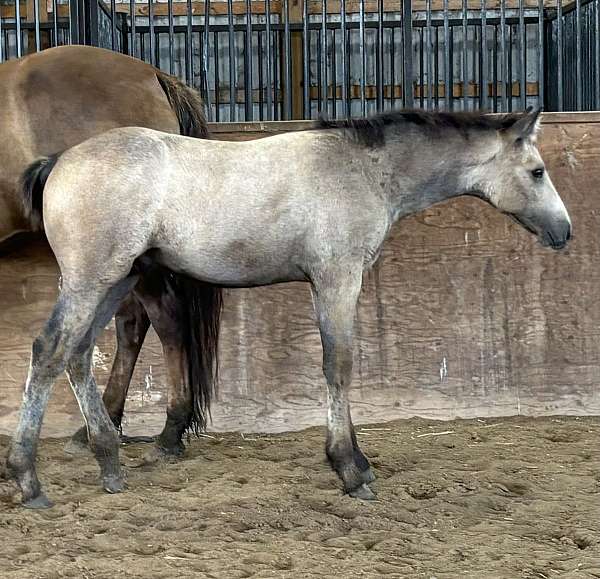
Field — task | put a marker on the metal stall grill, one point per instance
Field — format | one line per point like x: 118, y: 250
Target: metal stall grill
x: 289, y: 59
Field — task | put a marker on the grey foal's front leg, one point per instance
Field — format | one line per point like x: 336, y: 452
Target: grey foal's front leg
x: 335, y: 298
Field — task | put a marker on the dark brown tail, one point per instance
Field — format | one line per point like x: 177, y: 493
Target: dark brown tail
x: 201, y: 305
x: 187, y: 104
x: 32, y: 187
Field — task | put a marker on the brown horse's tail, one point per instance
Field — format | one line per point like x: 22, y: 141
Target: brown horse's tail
x: 32, y: 187
x: 201, y: 306
x: 187, y: 105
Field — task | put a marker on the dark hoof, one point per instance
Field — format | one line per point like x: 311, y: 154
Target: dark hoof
x: 77, y: 447
x: 113, y: 484
x: 39, y: 502
x: 136, y: 439
x: 161, y: 454
x: 368, y: 476
x: 363, y: 492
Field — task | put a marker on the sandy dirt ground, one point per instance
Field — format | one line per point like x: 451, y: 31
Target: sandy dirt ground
x: 514, y: 498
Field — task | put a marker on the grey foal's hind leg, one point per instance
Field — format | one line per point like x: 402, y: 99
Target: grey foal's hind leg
x: 68, y: 324
x: 335, y: 296
x: 102, y: 434
x: 132, y: 323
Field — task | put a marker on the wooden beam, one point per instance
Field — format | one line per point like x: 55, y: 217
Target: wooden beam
x: 396, y: 90
x: 8, y: 11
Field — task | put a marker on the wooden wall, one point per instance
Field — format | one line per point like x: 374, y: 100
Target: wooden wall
x: 464, y: 315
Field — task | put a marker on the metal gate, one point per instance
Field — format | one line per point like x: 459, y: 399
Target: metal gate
x: 284, y: 59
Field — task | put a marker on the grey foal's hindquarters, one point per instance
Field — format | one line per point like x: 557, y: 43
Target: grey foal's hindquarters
x: 312, y: 206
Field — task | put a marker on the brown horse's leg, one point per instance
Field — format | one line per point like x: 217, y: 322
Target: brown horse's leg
x: 335, y: 297
x: 165, y: 313
x: 132, y: 324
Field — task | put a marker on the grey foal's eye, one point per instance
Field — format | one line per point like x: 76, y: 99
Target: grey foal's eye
x: 538, y: 173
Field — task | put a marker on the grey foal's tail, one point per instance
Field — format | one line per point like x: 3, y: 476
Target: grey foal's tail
x: 32, y: 188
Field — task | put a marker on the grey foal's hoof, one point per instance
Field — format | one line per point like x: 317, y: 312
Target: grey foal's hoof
x: 113, y: 484
x: 363, y: 492
x: 39, y: 502
x: 368, y: 476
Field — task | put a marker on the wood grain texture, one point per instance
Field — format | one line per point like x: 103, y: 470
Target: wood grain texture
x: 464, y: 315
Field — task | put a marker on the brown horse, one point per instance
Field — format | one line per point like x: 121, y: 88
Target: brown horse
x: 60, y: 97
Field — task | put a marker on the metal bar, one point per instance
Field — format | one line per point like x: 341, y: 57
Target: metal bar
x: 287, y: 61
x: 157, y: 48
x: 451, y: 45
x: 18, y: 27
x: 346, y: 102
x: 596, y: 53
x: 54, y: 25
x: 559, y: 58
x: 248, y: 104
x: 504, y: 54
x: 393, y: 69
x: 407, y: 80
x: 93, y: 30
x: 74, y: 28
x: 36, y: 18
x: 231, y: 45
x: 189, y: 53
x: 205, y: 57
x: 421, y: 34
x: 261, y: 100
x: 509, y: 69
x: 475, y: 63
x: 217, y: 83
x: 578, y: 79
x: 333, y: 76
x: 132, y: 31
x: 380, y: 79
x: 324, y: 105
x: 495, y: 71
x: 306, y: 61
x: 436, y: 70
x: 465, y: 56
x: 276, y: 75
x: 363, y: 59
x: 113, y: 24
x: 429, y: 54
x: 522, y: 57
x: 541, y: 54
x: 268, y: 54
x: 447, y: 78
x: 152, y: 38
x: 171, y: 37
x: 319, y: 72
x: 483, y: 78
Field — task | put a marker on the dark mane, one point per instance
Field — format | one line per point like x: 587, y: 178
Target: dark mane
x: 370, y: 131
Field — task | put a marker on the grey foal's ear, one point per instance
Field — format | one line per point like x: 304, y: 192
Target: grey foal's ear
x: 527, y: 126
